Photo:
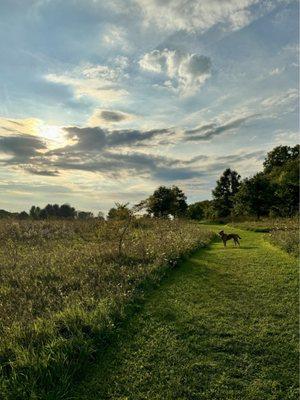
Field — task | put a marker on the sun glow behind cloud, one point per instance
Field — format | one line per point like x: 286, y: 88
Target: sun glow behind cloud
x: 54, y: 135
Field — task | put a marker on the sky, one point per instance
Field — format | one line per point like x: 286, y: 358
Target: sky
x: 104, y: 101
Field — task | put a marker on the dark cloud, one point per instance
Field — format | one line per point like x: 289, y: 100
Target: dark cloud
x: 42, y: 172
x: 112, y: 116
x: 95, y: 139
x: 21, y: 147
x: 113, y: 153
x: 208, y: 131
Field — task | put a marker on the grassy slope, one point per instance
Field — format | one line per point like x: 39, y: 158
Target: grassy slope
x: 222, y: 326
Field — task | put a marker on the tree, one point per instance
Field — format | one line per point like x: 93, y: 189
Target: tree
x: 279, y: 156
x: 282, y: 167
x: 23, y: 215
x: 120, y: 212
x: 201, y: 210
x: 66, y: 211
x: 255, y: 196
x: 195, y: 211
x: 84, y: 215
x: 167, y: 201
x: 287, y: 192
x: 100, y: 216
x: 53, y: 211
x: 35, y: 212
x: 227, y: 187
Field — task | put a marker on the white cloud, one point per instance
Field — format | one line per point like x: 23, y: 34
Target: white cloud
x: 240, y: 19
x: 195, y: 15
x: 116, y: 37
x: 100, y: 82
x: 282, y: 99
x: 277, y: 71
x: 286, y: 137
x: 186, y: 72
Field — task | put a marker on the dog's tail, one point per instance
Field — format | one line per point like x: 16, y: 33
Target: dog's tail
x: 239, y: 237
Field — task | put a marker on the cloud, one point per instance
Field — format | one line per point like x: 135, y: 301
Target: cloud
x: 43, y: 172
x: 21, y: 147
x: 282, y: 99
x: 115, y: 37
x: 195, y: 15
x: 109, y: 117
x: 208, y: 131
x: 108, y: 152
x: 185, y: 72
x: 240, y: 19
x: 99, y: 82
x: 286, y: 137
x: 242, y: 156
x: 19, y: 126
x: 96, y: 138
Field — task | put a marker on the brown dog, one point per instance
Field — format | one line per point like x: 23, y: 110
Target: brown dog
x: 225, y: 237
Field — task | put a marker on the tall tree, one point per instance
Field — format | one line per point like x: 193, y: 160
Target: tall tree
x: 279, y: 156
x: 256, y: 196
x: 226, y: 188
x: 167, y: 201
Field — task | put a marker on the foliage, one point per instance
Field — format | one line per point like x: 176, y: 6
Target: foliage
x: 84, y: 215
x: 120, y: 212
x: 224, y: 192
x: 279, y: 156
x: 51, y: 211
x: 167, y: 201
x: 274, y: 191
x: 201, y: 210
x: 255, y: 196
x: 64, y: 285
x: 195, y: 211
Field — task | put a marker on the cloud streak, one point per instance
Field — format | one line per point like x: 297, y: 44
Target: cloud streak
x: 209, y: 131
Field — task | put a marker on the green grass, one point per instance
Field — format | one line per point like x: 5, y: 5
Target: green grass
x: 222, y: 326
x: 282, y: 232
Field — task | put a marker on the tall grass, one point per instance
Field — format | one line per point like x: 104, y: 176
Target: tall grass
x: 64, y: 286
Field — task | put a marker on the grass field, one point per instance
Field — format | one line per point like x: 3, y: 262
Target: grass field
x: 282, y: 232
x: 64, y: 286
x: 222, y: 326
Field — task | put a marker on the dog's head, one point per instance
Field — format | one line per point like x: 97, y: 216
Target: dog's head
x: 221, y: 233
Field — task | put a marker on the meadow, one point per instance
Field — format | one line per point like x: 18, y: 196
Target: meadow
x: 64, y: 285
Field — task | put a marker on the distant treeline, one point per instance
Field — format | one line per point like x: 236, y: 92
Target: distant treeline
x: 273, y: 192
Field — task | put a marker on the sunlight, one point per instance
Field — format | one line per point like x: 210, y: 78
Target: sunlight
x: 54, y: 134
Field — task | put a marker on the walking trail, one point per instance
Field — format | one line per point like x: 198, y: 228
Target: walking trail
x: 223, y: 325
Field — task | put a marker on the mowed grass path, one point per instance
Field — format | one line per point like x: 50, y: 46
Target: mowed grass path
x: 223, y: 325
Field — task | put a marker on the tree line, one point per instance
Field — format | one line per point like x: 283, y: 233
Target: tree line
x: 272, y: 192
